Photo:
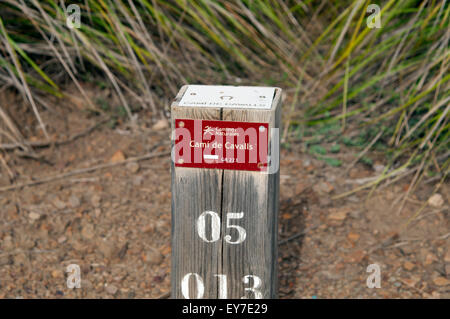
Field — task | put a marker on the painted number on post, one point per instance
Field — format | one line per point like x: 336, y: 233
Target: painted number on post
x: 256, y: 285
x: 222, y: 283
x: 185, y: 286
x: 215, y: 227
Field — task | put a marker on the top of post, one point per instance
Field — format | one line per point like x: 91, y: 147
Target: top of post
x: 228, y: 96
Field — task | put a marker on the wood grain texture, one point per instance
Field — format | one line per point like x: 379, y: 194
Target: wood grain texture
x: 256, y: 194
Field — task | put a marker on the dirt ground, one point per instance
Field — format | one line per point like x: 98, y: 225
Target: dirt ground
x: 115, y: 222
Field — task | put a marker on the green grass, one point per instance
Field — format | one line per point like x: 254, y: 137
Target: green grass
x: 337, y: 72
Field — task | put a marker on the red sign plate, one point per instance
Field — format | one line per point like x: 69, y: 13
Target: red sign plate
x: 221, y: 144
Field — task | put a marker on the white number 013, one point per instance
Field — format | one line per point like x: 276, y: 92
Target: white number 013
x: 222, y: 281
x: 215, y: 227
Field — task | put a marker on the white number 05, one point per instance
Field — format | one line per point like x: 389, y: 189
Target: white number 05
x: 215, y: 227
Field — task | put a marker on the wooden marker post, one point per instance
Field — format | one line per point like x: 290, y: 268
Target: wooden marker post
x: 225, y: 192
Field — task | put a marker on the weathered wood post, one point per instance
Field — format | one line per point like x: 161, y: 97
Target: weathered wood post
x: 225, y: 192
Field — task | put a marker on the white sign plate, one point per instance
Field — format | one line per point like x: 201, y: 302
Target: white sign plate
x: 238, y: 97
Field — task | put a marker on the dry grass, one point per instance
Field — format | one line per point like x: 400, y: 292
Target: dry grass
x: 335, y: 69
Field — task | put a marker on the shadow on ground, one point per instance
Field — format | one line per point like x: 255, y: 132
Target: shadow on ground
x: 291, y: 234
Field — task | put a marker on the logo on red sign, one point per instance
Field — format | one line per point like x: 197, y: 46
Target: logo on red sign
x: 221, y: 144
